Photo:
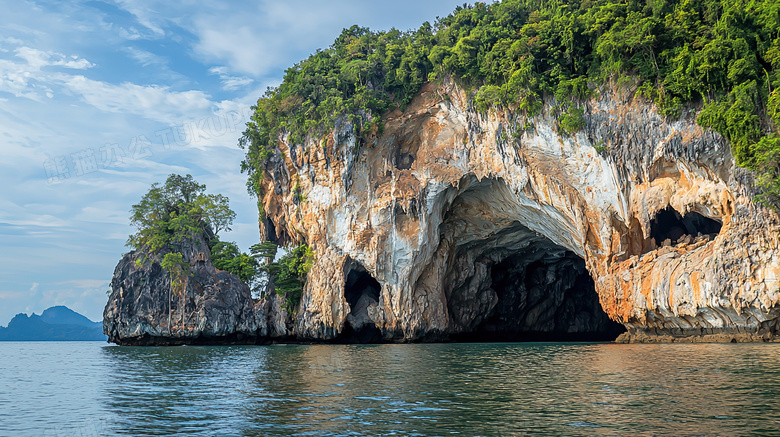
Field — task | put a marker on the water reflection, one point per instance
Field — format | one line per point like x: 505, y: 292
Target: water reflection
x: 157, y: 391
x: 474, y: 389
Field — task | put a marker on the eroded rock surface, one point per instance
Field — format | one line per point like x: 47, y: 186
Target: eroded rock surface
x: 215, y: 307
x: 459, y: 224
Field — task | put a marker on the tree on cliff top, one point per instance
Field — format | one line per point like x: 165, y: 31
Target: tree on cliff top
x: 176, y: 211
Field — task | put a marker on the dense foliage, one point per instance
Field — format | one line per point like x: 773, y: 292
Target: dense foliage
x: 176, y: 211
x: 173, y: 213
x: 262, y: 271
x: 289, y: 275
x: 721, y: 54
x: 228, y: 257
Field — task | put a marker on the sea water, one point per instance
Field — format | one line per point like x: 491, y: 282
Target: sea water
x: 91, y: 389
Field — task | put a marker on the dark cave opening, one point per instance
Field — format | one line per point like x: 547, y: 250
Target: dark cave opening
x: 508, y: 282
x: 548, y: 299
x: 361, y: 291
x: 668, y: 224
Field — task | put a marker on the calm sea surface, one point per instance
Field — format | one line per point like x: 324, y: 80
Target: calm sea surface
x: 87, y: 389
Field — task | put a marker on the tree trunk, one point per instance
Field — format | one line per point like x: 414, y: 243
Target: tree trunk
x: 182, y: 301
x: 170, y: 331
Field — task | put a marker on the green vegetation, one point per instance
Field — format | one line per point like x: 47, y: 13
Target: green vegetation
x: 228, y: 257
x: 175, y: 212
x: 286, y: 276
x: 571, y: 120
x: 177, y: 269
x: 288, y: 273
x: 179, y: 211
x: 172, y: 213
x: 721, y: 54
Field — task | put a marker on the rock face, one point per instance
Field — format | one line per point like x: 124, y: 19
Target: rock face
x: 215, y: 307
x: 460, y: 224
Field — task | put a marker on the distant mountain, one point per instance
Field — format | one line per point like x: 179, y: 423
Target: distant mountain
x: 57, y: 323
x: 62, y: 315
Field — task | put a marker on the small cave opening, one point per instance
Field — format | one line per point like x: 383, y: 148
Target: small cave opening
x: 361, y: 291
x: 668, y: 224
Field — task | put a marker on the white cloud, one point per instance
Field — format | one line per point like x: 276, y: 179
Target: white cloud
x: 146, y: 17
x: 29, y: 79
x: 154, y: 102
x: 14, y: 215
x: 273, y: 30
x: 21, y: 83
x: 11, y: 295
x: 220, y: 44
x: 102, y: 215
x: 144, y: 58
x: 233, y: 83
x: 229, y: 82
x: 130, y: 34
x: 11, y: 40
x: 37, y: 59
x: 46, y: 221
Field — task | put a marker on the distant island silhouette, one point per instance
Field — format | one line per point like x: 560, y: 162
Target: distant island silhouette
x: 58, y: 323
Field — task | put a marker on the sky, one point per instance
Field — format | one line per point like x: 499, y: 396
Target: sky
x: 100, y: 99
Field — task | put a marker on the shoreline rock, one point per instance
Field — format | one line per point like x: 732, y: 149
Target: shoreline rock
x: 215, y: 307
x: 641, y: 337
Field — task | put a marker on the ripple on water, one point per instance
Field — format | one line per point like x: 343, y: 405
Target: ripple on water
x: 473, y: 389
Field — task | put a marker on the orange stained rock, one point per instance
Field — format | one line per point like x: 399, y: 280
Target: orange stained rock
x: 645, y: 273
x: 683, y: 180
x: 696, y: 286
x: 406, y: 185
x: 673, y: 280
x: 592, y: 238
x: 614, y: 246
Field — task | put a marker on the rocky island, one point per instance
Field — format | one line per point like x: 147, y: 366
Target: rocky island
x: 560, y: 205
x: 213, y: 307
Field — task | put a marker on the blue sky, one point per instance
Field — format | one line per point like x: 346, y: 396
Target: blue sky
x: 98, y: 100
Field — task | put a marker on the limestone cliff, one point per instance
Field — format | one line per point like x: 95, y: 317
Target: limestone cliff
x: 460, y: 224
x: 214, y: 307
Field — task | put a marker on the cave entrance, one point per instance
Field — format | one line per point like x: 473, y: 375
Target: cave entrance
x: 668, y: 224
x: 507, y: 282
x: 361, y: 291
x: 551, y: 297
